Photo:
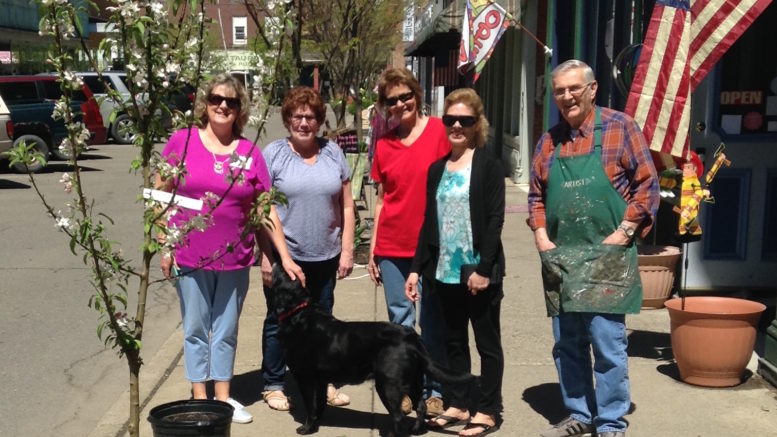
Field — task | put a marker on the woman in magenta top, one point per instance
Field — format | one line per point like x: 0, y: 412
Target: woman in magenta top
x: 400, y: 165
x: 213, y: 246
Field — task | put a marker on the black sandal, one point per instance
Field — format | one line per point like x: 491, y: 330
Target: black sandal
x: 487, y: 429
x: 449, y: 422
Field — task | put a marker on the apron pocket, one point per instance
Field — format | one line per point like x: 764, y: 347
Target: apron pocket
x: 553, y: 272
x: 595, y: 278
x: 610, y: 265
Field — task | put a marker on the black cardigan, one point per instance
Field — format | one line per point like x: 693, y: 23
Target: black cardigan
x: 487, y: 213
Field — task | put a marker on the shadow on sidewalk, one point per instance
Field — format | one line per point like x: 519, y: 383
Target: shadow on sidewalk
x: 650, y: 345
x: 545, y: 399
x: 247, y: 389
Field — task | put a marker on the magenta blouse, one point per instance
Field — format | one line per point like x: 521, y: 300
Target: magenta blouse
x: 220, y: 246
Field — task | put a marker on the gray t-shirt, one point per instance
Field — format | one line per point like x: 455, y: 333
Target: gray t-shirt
x: 313, y: 221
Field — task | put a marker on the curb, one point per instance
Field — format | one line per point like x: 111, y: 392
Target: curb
x: 153, y: 375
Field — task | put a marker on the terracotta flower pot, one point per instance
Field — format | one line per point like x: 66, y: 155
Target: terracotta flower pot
x: 713, y: 338
x: 657, y: 265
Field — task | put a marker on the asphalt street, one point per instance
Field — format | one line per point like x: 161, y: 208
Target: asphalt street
x: 58, y: 377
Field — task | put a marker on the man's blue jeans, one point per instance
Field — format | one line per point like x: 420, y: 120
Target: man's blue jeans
x: 394, y: 272
x: 576, y: 334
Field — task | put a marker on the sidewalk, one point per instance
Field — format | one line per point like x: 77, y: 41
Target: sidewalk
x: 661, y: 404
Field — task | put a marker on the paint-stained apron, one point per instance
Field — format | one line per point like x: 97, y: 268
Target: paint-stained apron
x: 582, y: 208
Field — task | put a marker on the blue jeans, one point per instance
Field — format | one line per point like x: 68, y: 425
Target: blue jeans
x: 320, y: 279
x: 394, y: 272
x: 211, y: 302
x: 575, y: 335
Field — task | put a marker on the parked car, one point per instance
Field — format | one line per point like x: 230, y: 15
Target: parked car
x: 120, y: 128
x: 31, y: 102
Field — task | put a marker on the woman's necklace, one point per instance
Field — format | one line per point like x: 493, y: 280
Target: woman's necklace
x: 218, y: 166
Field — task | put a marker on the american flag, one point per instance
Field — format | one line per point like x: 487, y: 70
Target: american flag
x: 682, y: 43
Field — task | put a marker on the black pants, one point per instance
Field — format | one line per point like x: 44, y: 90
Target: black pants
x: 459, y: 308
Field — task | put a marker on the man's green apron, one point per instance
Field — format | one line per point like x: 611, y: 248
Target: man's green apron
x: 582, y: 208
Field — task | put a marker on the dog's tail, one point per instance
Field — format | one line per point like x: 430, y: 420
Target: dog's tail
x: 441, y: 373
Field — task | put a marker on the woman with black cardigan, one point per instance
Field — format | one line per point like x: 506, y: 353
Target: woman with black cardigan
x: 460, y: 251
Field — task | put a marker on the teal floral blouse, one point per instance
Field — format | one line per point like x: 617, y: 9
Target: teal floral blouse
x: 455, y: 226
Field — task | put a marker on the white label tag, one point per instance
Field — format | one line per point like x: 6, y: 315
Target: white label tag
x: 166, y: 198
x: 241, y: 162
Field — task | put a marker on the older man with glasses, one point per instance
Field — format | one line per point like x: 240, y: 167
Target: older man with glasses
x: 593, y: 188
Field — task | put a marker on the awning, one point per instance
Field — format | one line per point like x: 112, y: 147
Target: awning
x: 444, y: 31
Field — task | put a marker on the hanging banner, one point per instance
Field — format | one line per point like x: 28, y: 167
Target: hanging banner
x: 484, y: 23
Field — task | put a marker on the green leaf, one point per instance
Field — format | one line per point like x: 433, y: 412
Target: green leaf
x: 106, y: 217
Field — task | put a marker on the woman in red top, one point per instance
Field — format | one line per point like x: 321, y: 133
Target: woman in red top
x: 400, y: 165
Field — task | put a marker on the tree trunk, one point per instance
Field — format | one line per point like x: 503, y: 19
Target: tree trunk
x: 296, y: 42
x: 357, y: 119
x: 133, y: 361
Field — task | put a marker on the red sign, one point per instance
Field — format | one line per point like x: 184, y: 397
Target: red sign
x: 741, y: 97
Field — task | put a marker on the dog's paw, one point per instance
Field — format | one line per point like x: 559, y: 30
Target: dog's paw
x: 307, y: 429
x: 419, y: 428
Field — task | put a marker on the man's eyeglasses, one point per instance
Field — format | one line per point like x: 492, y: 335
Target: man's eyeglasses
x: 391, y: 101
x: 297, y: 118
x: 464, y: 120
x: 575, y: 90
x: 232, y: 102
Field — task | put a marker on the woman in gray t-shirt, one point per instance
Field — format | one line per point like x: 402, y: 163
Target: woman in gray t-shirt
x: 318, y: 223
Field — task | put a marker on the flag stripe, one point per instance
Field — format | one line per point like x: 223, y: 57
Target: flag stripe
x: 661, y: 93
x: 717, y: 33
x: 711, y: 22
x: 678, y: 93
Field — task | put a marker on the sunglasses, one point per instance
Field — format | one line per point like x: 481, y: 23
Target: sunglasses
x: 464, y: 120
x: 391, y: 101
x: 232, y: 102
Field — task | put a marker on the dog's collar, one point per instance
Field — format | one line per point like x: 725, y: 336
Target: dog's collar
x: 286, y: 314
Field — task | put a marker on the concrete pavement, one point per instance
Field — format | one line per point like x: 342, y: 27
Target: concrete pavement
x: 661, y: 404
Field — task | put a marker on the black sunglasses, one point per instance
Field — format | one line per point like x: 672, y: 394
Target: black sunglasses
x: 464, y: 120
x: 232, y: 102
x: 391, y: 101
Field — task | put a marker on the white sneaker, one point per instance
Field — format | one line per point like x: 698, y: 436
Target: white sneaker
x: 240, y: 415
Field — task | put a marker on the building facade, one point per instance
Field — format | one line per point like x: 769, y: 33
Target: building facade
x: 736, y: 104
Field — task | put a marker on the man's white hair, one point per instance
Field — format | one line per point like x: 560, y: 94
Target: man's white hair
x: 573, y: 64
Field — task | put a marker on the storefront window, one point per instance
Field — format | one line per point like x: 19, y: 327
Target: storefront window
x: 748, y: 88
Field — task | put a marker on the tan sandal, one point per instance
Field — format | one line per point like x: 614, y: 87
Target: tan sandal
x: 336, y: 398
x: 276, y: 400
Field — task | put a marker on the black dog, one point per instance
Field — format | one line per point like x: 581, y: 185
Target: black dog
x: 321, y: 349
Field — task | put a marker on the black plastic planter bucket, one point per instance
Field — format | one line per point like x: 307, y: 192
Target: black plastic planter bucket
x: 194, y: 417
